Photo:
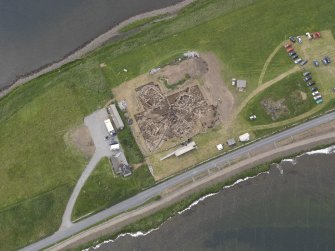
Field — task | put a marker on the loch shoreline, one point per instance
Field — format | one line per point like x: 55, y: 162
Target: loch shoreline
x: 89, y: 46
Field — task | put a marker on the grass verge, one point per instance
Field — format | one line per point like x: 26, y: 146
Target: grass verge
x: 103, y: 189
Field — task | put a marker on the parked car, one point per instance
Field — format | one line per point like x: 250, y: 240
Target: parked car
x: 310, y: 83
x: 252, y: 117
x: 328, y: 59
x: 317, y: 97
x: 313, y: 89
x: 315, y: 93
x: 298, y: 61
x: 319, y: 101
x: 292, y: 39
x: 306, y: 73
x: 304, y: 62
x: 294, y: 57
x: 324, y: 61
x: 290, y: 49
x: 309, y: 36
x: 316, y: 63
x: 292, y: 53
x: 288, y: 45
x: 299, y: 39
x: 306, y: 79
x: 316, y: 34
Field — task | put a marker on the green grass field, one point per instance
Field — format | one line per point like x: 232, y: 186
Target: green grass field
x: 103, y: 189
x: 35, y: 117
x: 130, y: 147
x: 294, y: 93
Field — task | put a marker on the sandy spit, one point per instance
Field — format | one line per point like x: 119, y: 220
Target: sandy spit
x: 95, y: 43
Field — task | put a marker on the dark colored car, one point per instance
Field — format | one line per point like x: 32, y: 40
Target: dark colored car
x: 316, y: 63
x: 292, y: 53
x: 306, y: 73
x: 328, y: 59
x: 313, y: 89
x: 324, y: 61
x: 292, y: 39
x: 294, y: 57
x: 310, y: 83
x: 304, y: 62
x: 306, y: 79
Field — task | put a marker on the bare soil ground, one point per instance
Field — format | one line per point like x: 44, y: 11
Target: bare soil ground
x: 200, y: 102
x: 215, y: 90
x: 194, y: 68
x: 80, y: 137
x: 274, y: 108
x: 178, y: 115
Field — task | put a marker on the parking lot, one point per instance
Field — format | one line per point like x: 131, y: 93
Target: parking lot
x: 98, y: 131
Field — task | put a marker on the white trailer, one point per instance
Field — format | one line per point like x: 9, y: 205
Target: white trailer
x: 109, y: 126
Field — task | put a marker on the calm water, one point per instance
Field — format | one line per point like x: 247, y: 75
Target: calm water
x: 34, y: 33
x: 290, y: 211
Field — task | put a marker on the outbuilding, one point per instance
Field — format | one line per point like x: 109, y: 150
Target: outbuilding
x: 244, y: 137
x: 241, y: 84
x: 115, y: 117
x: 231, y: 142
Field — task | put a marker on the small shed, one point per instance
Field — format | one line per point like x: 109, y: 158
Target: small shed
x: 244, y: 137
x: 219, y: 147
x: 241, y: 84
x: 231, y: 142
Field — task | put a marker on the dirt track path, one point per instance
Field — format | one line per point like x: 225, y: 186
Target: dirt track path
x: 266, y: 64
x: 263, y: 87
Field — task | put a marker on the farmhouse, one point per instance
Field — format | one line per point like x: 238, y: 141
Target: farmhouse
x: 116, y: 117
x: 241, y: 85
x: 120, y: 164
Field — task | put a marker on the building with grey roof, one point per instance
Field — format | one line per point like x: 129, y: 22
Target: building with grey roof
x: 231, y: 142
x: 241, y: 84
x: 120, y: 164
x: 115, y: 117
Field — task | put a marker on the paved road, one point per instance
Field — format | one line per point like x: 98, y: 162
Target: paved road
x: 98, y: 131
x: 156, y: 190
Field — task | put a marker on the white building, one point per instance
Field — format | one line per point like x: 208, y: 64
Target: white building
x: 244, y: 137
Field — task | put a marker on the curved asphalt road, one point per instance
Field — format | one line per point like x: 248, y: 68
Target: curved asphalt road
x: 156, y: 190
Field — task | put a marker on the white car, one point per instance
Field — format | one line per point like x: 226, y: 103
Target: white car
x: 317, y: 97
x: 299, y: 39
x: 309, y: 36
x: 298, y: 61
x: 252, y: 117
x: 315, y: 93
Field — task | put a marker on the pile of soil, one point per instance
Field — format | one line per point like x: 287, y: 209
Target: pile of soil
x: 275, y: 109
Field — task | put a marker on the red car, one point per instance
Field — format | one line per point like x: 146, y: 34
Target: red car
x: 286, y: 46
x: 290, y: 49
x: 316, y: 34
